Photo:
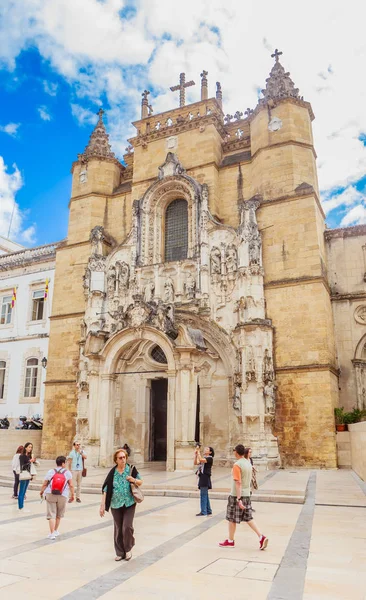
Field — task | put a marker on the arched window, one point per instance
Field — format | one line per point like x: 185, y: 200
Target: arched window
x: 2, y: 378
x: 176, y: 230
x: 158, y: 354
x: 31, y: 377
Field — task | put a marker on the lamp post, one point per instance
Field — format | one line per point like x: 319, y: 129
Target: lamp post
x: 44, y: 362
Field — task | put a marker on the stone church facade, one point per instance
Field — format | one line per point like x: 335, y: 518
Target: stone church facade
x: 191, y: 298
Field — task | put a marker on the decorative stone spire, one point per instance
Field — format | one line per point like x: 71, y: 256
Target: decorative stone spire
x: 219, y: 93
x: 98, y: 145
x: 279, y: 84
x: 145, y: 104
x: 204, y: 86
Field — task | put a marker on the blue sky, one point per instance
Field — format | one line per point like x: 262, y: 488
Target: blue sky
x: 60, y: 61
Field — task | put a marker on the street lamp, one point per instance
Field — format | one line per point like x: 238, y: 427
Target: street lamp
x: 44, y: 362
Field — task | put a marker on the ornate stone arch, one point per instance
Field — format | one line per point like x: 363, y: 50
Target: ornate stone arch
x: 359, y: 367
x: 112, y: 350
x: 154, y: 203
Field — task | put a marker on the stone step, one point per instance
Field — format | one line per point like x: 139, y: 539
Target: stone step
x: 259, y: 496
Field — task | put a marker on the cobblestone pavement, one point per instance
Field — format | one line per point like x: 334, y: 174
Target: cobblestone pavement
x: 317, y: 550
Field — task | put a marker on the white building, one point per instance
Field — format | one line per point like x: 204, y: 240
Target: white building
x: 26, y: 285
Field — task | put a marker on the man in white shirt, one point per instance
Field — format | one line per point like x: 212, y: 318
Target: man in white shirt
x: 75, y: 465
x: 57, y: 499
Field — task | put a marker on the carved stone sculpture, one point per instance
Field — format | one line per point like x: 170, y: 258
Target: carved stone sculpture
x: 124, y: 276
x: 215, y: 261
x: 255, y: 251
x: 168, y: 290
x: 269, y: 397
x: 241, y: 306
x: 111, y: 281
x: 190, y: 286
x: 250, y: 366
x: 149, y: 291
x: 237, y: 400
x: 96, y: 239
x: 231, y: 259
x: 268, y: 373
x: 86, y: 282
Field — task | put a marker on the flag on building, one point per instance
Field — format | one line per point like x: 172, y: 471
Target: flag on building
x: 13, y: 298
x: 46, y: 289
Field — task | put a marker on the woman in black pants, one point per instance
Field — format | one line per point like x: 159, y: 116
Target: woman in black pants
x: 15, y: 465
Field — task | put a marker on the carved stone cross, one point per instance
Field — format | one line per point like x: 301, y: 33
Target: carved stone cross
x: 276, y: 55
x: 182, y: 88
x: 100, y: 113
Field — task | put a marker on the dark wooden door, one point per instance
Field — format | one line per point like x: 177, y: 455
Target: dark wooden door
x: 158, y: 419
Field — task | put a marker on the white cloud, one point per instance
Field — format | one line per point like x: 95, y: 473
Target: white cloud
x: 348, y: 197
x: 102, y: 55
x: 10, y: 214
x: 10, y: 129
x: 356, y: 216
x: 83, y: 115
x: 50, y: 87
x: 44, y: 113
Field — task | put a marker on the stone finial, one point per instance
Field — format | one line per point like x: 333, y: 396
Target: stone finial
x: 279, y: 84
x: 98, y: 144
x: 219, y: 93
x: 144, y: 104
x: 228, y: 118
x: 238, y: 115
x: 204, y: 85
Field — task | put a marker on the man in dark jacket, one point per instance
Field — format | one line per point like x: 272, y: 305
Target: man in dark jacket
x: 204, y: 463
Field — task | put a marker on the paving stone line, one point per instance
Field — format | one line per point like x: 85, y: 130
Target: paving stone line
x: 289, y: 581
x: 77, y: 532
x: 361, y: 483
x: 28, y: 517
x: 100, y: 586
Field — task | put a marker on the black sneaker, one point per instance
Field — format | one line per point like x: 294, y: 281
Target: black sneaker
x: 200, y: 515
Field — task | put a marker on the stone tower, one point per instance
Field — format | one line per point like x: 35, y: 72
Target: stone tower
x: 191, y: 296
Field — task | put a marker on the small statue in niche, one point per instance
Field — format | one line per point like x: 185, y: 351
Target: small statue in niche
x: 268, y: 373
x: 111, y: 281
x: 240, y: 307
x: 82, y: 329
x: 269, y: 397
x: 237, y: 399
x: 190, y: 286
x: 231, y: 259
x: 96, y: 238
x: 168, y: 290
x: 149, y: 291
x: 215, y: 261
x: 86, y: 282
x: 250, y: 367
x: 255, y: 251
x: 124, y: 276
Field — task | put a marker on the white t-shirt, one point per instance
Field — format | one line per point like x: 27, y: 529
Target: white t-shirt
x: 49, y: 476
x: 15, y: 464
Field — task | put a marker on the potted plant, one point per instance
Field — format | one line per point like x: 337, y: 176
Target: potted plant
x: 339, y: 419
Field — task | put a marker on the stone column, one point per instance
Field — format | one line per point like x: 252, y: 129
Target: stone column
x: 93, y: 408
x: 106, y: 398
x: 188, y: 403
x: 171, y: 419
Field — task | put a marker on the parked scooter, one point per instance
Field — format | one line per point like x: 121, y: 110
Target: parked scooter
x: 36, y: 422
x: 4, y: 423
x: 22, y: 423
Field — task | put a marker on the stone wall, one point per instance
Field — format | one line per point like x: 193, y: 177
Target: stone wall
x: 346, y: 271
x: 10, y: 439
x: 358, y: 448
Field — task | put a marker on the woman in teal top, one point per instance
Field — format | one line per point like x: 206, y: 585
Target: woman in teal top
x: 118, y: 497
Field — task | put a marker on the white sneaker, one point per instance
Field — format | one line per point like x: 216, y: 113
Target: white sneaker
x: 51, y: 536
x: 56, y: 533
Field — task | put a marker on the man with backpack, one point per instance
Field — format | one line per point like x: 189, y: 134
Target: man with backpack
x: 56, y: 487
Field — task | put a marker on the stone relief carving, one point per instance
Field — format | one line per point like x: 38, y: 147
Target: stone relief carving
x: 123, y: 276
x: 111, y: 281
x: 237, y: 400
x: 360, y: 315
x: 171, y: 166
x: 86, y: 282
x: 250, y: 363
